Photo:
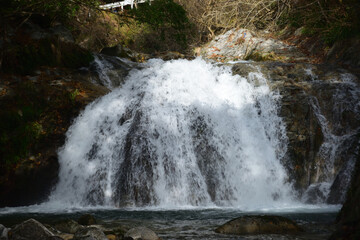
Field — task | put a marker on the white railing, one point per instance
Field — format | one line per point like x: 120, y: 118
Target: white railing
x: 121, y: 4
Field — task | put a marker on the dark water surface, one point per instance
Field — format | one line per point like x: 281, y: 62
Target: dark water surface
x: 188, y: 224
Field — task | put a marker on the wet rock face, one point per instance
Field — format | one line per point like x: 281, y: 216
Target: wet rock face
x: 349, y: 216
x: 259, y: 225
x: 319, y: 105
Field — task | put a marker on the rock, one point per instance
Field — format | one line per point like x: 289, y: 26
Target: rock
x: 111, y: 69
x: 310, y: 96
x: 62, y: 33
x: 3, y: 232
x: 30, y: 230
x: 349, y: 217
x: 118, y: 230
x: 87, y: 219
x: 259, y: 225
x: 18, y: 191
x: 243, y: 44
x: 170, y: 56
x: 90, y: 233
x: 140, y: 233
x: 118, y: 51
x: 316, y: 193
x: 68, y: 226
x: 111, y: 237
x: 65, y: 236
x: 345, y: 52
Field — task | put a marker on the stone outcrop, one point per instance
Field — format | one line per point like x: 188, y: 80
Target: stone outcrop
x: 259, y: 225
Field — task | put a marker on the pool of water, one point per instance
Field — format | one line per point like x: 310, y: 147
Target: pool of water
x: 317, y: 222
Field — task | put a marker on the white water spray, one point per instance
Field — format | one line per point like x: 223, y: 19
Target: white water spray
x: 179, y: 133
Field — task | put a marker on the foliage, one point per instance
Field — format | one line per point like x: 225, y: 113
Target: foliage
x: 24, y: 55
x: 55, y: 9
x: 167, y: 18
x: 73, y: 94
x: 19, y: 128
x: 332, y: 20
x: 217, y: 16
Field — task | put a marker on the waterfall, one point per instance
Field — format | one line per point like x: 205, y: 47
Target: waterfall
x: 336, y: 157
x: 175, y: 134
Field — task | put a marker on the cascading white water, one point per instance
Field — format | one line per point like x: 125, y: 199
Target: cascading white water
x: 178, y: 133
x: 338, y: 134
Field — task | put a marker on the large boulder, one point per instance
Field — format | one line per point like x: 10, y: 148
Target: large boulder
x: 141, y: 233
x: 30, y: 230
x: 259, y: 225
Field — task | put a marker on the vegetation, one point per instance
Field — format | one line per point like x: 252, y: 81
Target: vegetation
x: 61, y: 10
x: 167, y: 20
x: 331, y: 19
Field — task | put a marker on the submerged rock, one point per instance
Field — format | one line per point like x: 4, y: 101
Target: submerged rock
x: 30, y: 230
x: 259, y: 225
x: 87, y: 219
x: 141, y: 233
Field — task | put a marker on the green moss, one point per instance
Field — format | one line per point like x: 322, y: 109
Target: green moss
x: 73, y: 94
